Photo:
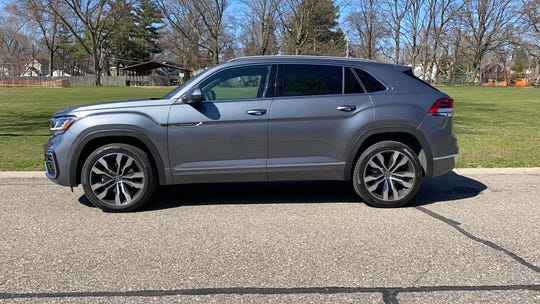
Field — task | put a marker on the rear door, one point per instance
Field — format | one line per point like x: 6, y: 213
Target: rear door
x: 318, y: 111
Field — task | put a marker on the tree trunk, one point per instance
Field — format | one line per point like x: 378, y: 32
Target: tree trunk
x: 477, y: 68
x: 51, y: 66
x: 537, y: 80
x: 397, y: 43
x: 97, y: 67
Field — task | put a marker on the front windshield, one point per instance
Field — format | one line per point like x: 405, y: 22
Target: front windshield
x: 172, y: 93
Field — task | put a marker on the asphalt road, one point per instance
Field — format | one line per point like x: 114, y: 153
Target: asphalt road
x: 470, y: 238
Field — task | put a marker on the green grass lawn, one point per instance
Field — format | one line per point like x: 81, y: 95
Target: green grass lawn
x: 496, y: 127
x: 25, y: 114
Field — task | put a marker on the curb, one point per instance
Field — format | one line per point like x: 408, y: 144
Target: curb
x: 459, y: 171
x: 22, y: 174
x: 498, y: 171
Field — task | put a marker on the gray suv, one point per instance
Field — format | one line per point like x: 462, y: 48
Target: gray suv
x: 269, y: 118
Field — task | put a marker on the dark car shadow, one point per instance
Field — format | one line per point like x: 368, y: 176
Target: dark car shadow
x: 449, y: 187
x: 252, y: 193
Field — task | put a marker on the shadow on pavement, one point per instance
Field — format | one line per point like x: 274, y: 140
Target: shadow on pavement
x: 448, y: 187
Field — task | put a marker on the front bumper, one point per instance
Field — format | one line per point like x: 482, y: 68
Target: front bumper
x: 57, y: 152
x: 51, y: 165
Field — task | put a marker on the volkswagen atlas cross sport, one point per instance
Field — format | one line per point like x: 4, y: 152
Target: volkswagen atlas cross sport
x: 269, y: 118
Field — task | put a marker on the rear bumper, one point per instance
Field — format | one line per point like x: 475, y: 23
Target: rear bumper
x: 444, y: 164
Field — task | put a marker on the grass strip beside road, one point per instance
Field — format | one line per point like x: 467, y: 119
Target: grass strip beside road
x: 496, y: 127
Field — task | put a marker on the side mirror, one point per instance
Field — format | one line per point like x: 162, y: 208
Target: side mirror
x: 195, y: 97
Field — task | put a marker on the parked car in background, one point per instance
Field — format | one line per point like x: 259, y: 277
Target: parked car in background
x: 268, y: 118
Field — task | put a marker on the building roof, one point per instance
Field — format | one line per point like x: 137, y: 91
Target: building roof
x: 151, y: 65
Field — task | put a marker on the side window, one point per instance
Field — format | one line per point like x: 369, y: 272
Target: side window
x: 351, y: 83
x: 371, y: 84
x: 237, y: 83
x: 303, y: 79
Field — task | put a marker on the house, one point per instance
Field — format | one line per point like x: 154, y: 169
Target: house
x: 32, y: 69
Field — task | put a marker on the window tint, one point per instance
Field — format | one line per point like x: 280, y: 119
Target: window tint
x: 237, y: 83
x: 371, y: 84
x: 351, y: 83
x: 410, y: 73
x: 300, y: 79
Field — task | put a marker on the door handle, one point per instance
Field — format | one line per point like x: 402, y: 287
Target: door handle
x: 256, y: 112
x: 346, y: 108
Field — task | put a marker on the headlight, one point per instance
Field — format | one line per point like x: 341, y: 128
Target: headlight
x: 61, y: 124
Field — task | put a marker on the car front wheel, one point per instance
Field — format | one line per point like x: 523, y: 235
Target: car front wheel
x: 387, y: 174
x: 118, y: 177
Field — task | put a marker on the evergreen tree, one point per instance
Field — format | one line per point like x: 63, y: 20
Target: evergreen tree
x: 136, y: 37
x: 312, y: 28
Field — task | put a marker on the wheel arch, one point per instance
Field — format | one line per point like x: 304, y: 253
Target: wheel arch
x: 403, y: 134
x: 96, y: 139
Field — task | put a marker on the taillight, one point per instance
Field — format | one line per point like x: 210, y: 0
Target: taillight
x: 442, y: 107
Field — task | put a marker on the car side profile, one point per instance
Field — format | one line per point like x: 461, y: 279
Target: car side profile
x: 265, y: 118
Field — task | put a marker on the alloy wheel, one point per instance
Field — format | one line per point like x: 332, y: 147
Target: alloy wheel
x: 389, y: 175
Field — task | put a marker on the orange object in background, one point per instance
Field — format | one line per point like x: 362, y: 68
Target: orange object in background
x: 521, y: 83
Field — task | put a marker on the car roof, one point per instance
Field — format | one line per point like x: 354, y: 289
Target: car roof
x: 299, y: 58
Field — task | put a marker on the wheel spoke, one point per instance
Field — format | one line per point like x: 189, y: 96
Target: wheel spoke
x: 101, y: 172
x: 134, y: 185
x: 117, y: 199
x: 105, y: 165
x: 403, y: 161
x: 393, y: 160
x: 373, y: 177
x: 380, y: 157
x: 404, y: 174
x: 104, y: 192
x: 375, y: 186
x: 385, y: 190
x: 405, y: 184
x: 375, y: 166
x: 118, y: 162
x: 395, y: 193
x: 134, y: 175
x: 101, y: 184
x: 127, y: 165
x: 125, y: 192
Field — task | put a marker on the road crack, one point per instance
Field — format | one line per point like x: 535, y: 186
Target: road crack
x: 492, y: 245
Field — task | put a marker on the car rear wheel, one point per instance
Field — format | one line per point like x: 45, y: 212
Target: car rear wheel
x: 387, y: 174
x: 118, y: 177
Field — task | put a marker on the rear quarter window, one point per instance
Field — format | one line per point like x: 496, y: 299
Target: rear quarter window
x: 371, y: 84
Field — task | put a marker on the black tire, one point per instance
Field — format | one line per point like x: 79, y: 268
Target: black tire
x: 387, y: 174
x: 118, y: 178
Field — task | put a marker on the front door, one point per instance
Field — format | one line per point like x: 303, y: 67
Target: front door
x: 224, y: 138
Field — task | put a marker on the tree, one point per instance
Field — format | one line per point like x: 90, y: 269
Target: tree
x: 17, y: 46
x: 395, y: 11
x: 489, y: 24
x: 98, y: 19
x: 311, y: 27
x: 427, y: 23
x: 530, y: 10
x: 259, y: 33
x: 366, y: 24
x: 136, y: 35
x: 47, y: 23
x: 200, y: 26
